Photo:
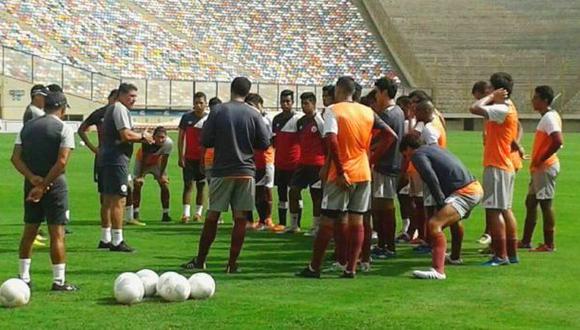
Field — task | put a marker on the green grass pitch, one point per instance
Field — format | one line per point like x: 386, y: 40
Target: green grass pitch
x: 541, y: 292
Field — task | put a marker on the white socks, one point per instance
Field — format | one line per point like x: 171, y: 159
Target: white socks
x: 300, y: 204
x: 24, y: 269
x: 186, y: 210
x: 58, y: 273
x: 283, y: 205
x: 165, y: 211
x: 199, y: 210
x: 406, y: 224
x: 117, y: 236
x: 294, y: 219
x: 129, y: 212
x: 106, y: 235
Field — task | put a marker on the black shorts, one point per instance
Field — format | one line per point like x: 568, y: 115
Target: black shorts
x: 192, y: 172
x: 114, y: 180
x: 306, y: 176
x: 52, y: 208
x: 96, y: 170
x: 283, y: 177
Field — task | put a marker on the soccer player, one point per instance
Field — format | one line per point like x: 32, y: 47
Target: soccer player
x: 286, y: 159
x: 405, y: 201
x: 454, y: 189
x: 36, y: 106
x: 114, y: 157
x: 501, y: 128
x: 544, y: 170
x: 264, y: 160
x: 386, y: 171
x: 41, y: 154
x: 152, y: 159
x: 312, y: 157
x: 480, y: 90
x: 191, y: 156
x: 234, y: 129
x: 348, y: 131
x: 328, y: 95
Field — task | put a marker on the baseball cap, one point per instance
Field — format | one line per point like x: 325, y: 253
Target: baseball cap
x: 55, y: 100
x: 38, y: 90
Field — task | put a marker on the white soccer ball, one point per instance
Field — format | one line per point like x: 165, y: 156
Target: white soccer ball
x: 14, y: 292
x: 173, y: 287
x: 129, y: 289
x: 202, y: 286
x: 149, y: 279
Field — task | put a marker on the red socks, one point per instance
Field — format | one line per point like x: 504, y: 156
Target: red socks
x: 356, y: 238
x: 438, y: 247
x: 368, y: 236
x: 456, y: 240
x: 340, y: 242
x: 321, y: 241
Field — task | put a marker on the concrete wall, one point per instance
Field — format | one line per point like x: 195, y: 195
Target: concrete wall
x: 15, y: 96
x: 454, y: 43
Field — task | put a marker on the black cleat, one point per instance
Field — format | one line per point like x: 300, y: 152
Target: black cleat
x: 103, y: 245
x: 166, y: 218
x: 29, y: 283
x: 308, y: 273
x: 122, y: 247
x: 64, y: 287
x: 193, y: 265
x: 346, y: 274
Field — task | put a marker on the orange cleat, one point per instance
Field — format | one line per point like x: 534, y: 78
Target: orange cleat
x: 417, y: 241
x: 184, y: 219
x: 543, y: 248
x: 277, y: 228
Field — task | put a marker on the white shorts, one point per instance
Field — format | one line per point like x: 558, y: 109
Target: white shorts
x: 354, y: 200
x: 543, y: 183
x: 415, y: 185
x: 265, y: 177
x: 498, y: 188
x: 463, y: 203
x: 384, y: 186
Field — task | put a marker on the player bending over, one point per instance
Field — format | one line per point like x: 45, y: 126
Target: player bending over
x: 152, y: 159
x: 454, y: 190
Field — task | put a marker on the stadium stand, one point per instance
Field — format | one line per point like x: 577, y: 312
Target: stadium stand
x: 288, y: 42
x: 449, y: 45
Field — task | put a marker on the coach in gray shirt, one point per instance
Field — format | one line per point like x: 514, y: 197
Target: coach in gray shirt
x: 234, y: 129
x: 115, y: 154
x: 41, y: 154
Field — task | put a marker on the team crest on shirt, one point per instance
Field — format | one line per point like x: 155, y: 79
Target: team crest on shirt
x: 314, y: 129
x: 124, y: 188
x: 189, y: 122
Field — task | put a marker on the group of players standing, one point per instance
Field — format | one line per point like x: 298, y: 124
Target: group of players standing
x: 357, y: 157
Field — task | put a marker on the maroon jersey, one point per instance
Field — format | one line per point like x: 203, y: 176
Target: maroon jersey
x: 310, y: 136
x: 286, y: 141
x: 192, y: 125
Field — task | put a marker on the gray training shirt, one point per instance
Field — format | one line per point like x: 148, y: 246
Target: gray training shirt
x: 441, y: 171
x: 41, y: 138
x: 390, y: 162
x: 113, y: 151
x: 234, y: 129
